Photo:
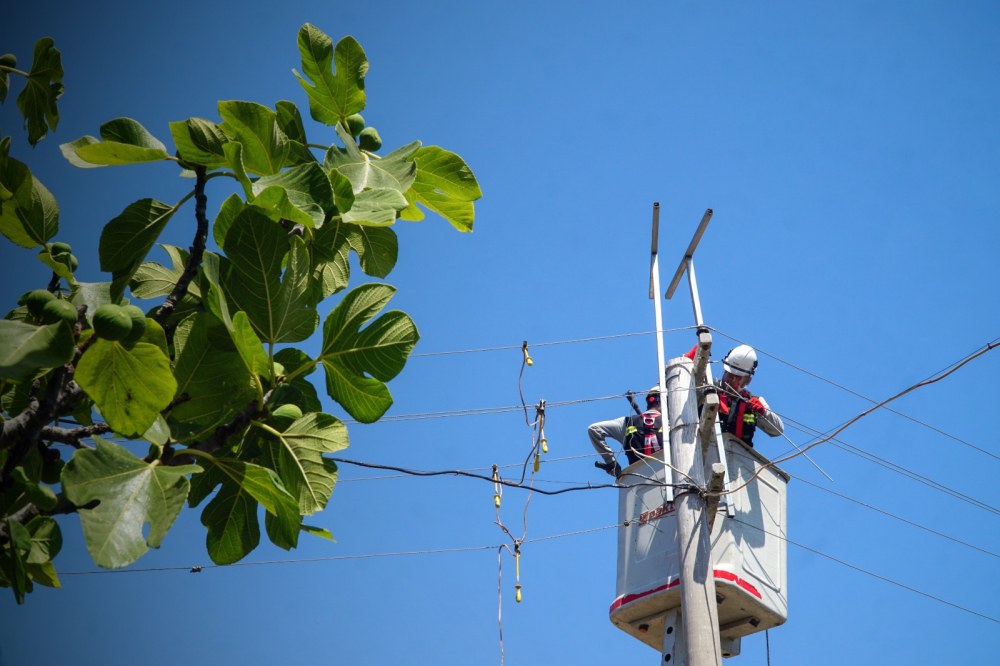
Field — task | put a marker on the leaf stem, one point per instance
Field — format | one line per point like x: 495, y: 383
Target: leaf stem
x: 4, y: 68
x: 195, y: 452
x: 317, y: 145
x: 216, y: 174
x: 303, y: 369
x: 370, y: 154
x: 270, y: 360
x: 266, y: 428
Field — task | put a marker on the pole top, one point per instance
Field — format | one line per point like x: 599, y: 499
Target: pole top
x: 689, y: 253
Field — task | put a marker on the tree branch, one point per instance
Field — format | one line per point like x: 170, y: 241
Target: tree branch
x: 74, y: 435
x: 29, y: 511
x: 197, y: 250
x: 222, y: 434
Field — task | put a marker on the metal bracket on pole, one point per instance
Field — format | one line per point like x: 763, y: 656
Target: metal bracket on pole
x: 714, y: 488
x: 654, y: 294
x: 706, y: 429
x: 687, y: 266
x: 673, y: 640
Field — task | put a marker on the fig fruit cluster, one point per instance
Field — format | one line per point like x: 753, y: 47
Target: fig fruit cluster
x: 126, y: 324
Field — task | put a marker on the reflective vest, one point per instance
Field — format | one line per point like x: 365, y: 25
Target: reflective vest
x: 643, y: 435
x: 735, y: 417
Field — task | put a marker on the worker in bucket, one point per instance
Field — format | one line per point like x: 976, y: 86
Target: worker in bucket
x: 741, y: 412
x: 640, y: 435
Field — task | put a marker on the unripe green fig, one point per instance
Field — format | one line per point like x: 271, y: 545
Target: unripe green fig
x: 67, y: 260
x: 355, y: 124
x: 279, y: 370
x: 111, y: 322
x: 285, y: 415
x: 138, y: 318
x: 36, y: 300
x: 370, y: 140
x: 59, y: 310
x: 59, y: 248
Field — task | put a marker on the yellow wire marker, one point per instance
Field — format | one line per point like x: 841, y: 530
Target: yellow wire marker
x: 538, y: 461
x: 517, y: 568
x: 527, y: 356
x: 545, y: 445
x: 496, y: 487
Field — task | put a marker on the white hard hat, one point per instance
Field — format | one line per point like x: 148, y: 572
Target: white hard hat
x: 653, y: 394
x: 741, y: 361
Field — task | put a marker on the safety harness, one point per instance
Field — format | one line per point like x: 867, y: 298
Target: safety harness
x: 737, y: 419
x: 643, y: 435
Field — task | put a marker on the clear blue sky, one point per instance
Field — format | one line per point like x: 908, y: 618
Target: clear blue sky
x: 850, y: 153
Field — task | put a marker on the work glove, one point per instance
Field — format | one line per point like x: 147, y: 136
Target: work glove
x: 612, y: 468
x: 757, y: 406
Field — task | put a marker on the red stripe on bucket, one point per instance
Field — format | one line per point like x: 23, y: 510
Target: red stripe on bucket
x: 719, y: 573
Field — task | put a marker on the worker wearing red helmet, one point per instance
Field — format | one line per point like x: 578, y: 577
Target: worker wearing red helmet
x: 640, y: 435
x: 741, y: 412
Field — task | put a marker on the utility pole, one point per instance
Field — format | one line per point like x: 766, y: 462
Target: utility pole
x: 699, y: 616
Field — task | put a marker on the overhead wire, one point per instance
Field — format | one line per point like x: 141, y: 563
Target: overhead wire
x: 864, y: 397
x: 549, y: 344
x: 870, y: 573
x: 854, y: 420
x: 899, y: 518
x: 435, y: 551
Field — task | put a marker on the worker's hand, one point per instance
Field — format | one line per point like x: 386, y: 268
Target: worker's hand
x: 612, y: 468
x: 757, y: 406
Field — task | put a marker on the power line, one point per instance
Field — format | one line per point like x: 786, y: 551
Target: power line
x: 874, y: 575
x: 549, y: 344
x: 892, y: 515
x: 893, y: 467
x: 874, y: 402
x: 436, y: 551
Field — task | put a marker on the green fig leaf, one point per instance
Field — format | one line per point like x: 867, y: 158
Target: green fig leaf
x: 281, y: 309
x: 131, y: 492
x: 37, y: 102
x: 395, y: 171
x: 125, y: 141
x: 380, y: 350
x: 446, y: 185
x: 332, y: 95
x: 30, y: 216
x: 128, y: 238
x: 297, y: 454
x: 265, y: 146
x: 200, y: 141
x: 301, y: 194
x: 24, y: 348
x: 129, y: 385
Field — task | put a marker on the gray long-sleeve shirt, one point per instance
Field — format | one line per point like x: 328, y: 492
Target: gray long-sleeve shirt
x: 614, y: 429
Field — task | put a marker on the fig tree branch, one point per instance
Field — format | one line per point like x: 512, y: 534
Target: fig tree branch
x: 72, y: 436
x: 197, y: 249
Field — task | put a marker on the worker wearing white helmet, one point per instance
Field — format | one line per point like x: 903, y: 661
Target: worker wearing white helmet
x: 640, y: 435
x: 741, y: 412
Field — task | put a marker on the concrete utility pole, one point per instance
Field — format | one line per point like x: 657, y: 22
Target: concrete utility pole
x: 699, y: 631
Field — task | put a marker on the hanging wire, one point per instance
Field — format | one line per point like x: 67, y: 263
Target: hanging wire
x: 864, y: 397
x: 865, y: 571
x: 548, y: 344
x: 854, y: 420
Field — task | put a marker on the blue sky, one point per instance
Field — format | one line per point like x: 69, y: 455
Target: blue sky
x: 849, y: 151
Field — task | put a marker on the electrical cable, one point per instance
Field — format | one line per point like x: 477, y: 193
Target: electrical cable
x: 549, y: 344
x: 199, y: 569
x: 898, y: 469
x: 899, y: 518
x: 852, y: 421
x: 864, y: 397
x: 865, y: 571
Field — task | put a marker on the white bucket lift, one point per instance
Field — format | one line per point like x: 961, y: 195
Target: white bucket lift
x: 749, y: 564
x: 748, y: 526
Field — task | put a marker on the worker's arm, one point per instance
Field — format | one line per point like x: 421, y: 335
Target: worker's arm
x: 598, y: 432
x: 770, y: 422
